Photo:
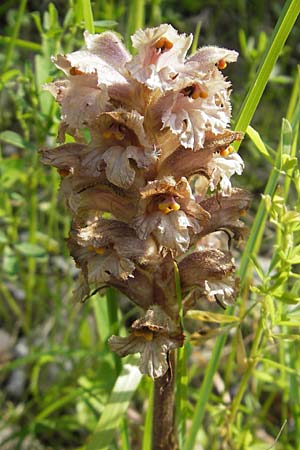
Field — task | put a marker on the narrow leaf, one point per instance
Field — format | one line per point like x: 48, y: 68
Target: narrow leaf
x: 257, y: 141
x: 116, y: 407
x: 205, y: 316
x: 28, y: 249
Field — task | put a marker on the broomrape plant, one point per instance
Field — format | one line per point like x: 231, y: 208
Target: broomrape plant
x: 152, y: 184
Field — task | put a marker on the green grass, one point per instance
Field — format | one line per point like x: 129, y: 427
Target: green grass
x: 240, y: 387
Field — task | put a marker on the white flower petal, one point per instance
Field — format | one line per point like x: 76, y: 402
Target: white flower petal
x: 222, y: 170
x: 153, y: 67
x: 192, y: 118
x: 108, y: 47
x: 224, y: 290
x: 80, y: 98
x: 208, y: 57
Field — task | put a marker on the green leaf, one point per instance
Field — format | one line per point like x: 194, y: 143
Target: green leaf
x: 257, y: 141
x: 10, y: 262
x: 117, y: 405
x: 3, y: 237
x: 286, y: 136
x: 88, y: 15
x: 205, y: 316
x: 10, y: 137
x: 28, y: 249
x: 105, y: 23
x: 12, y: 170
x: 295, y: 256
x: 8, y: 75
x: 289, y: 162
x: 21, y: 43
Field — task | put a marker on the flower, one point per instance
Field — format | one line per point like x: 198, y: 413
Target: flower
x: 161, y: 53
x: 153, y: 336
x: 197, y: 106
x: 222, y: 168
x: 168, y: 210
x: 210, y: 57
x: 84, y: 94
x: 210, y: 273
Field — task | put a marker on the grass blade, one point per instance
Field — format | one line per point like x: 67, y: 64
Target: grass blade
x: 147, y: 434
x: 116, y: 407
x: 14, y: 36
x: 280, y: 34
x: 88, y: 15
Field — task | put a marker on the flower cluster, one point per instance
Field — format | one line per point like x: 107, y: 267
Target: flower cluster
x: 151, y: 183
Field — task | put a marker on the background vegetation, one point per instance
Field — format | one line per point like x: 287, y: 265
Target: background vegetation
x: 61, y: 387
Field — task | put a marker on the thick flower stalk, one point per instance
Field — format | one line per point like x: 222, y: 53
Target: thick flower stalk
x: 150, y: 184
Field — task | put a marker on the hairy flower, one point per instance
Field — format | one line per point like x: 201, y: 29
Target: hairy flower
x: 161, y: 53
x: 197, y: 107
x: 147, y: 179
x: 222, y: 168
x: 168, y: 211
x: 153, y: 336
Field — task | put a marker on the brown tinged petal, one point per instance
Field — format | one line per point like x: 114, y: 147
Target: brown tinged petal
x: 187, y: 162
x: 152, y: 284
x: 99, y: 264
x: 167, y: 210
x: 153, y: 336
x: 200, y: 266
x: 65, y: 157
x: 104, y: 233
x: 93, y: 62
x: 122, y: 163
x: 161, y: 53
x: 103, y: 198
x: 210, y: 273
x: 82, y: 289
x: 109, y: 47
x: 129, y: 123
x: 225, y: 213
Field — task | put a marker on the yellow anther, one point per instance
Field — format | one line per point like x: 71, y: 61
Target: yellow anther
x: 198, y: 92
x: 98, y: 250
x: 75, y: 71
x: 222, y: 64
x: 107, y: 134
x: 168, y: 206
x: 194, y: 92
x: 163, y: 44
x: 119, y: 136
x: 146, y: 334
x: 226, y: 151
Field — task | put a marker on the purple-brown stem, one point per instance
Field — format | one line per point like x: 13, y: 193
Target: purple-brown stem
x: 164, y: 436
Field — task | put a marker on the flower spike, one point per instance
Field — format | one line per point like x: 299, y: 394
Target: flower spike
x: 147, y: 179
